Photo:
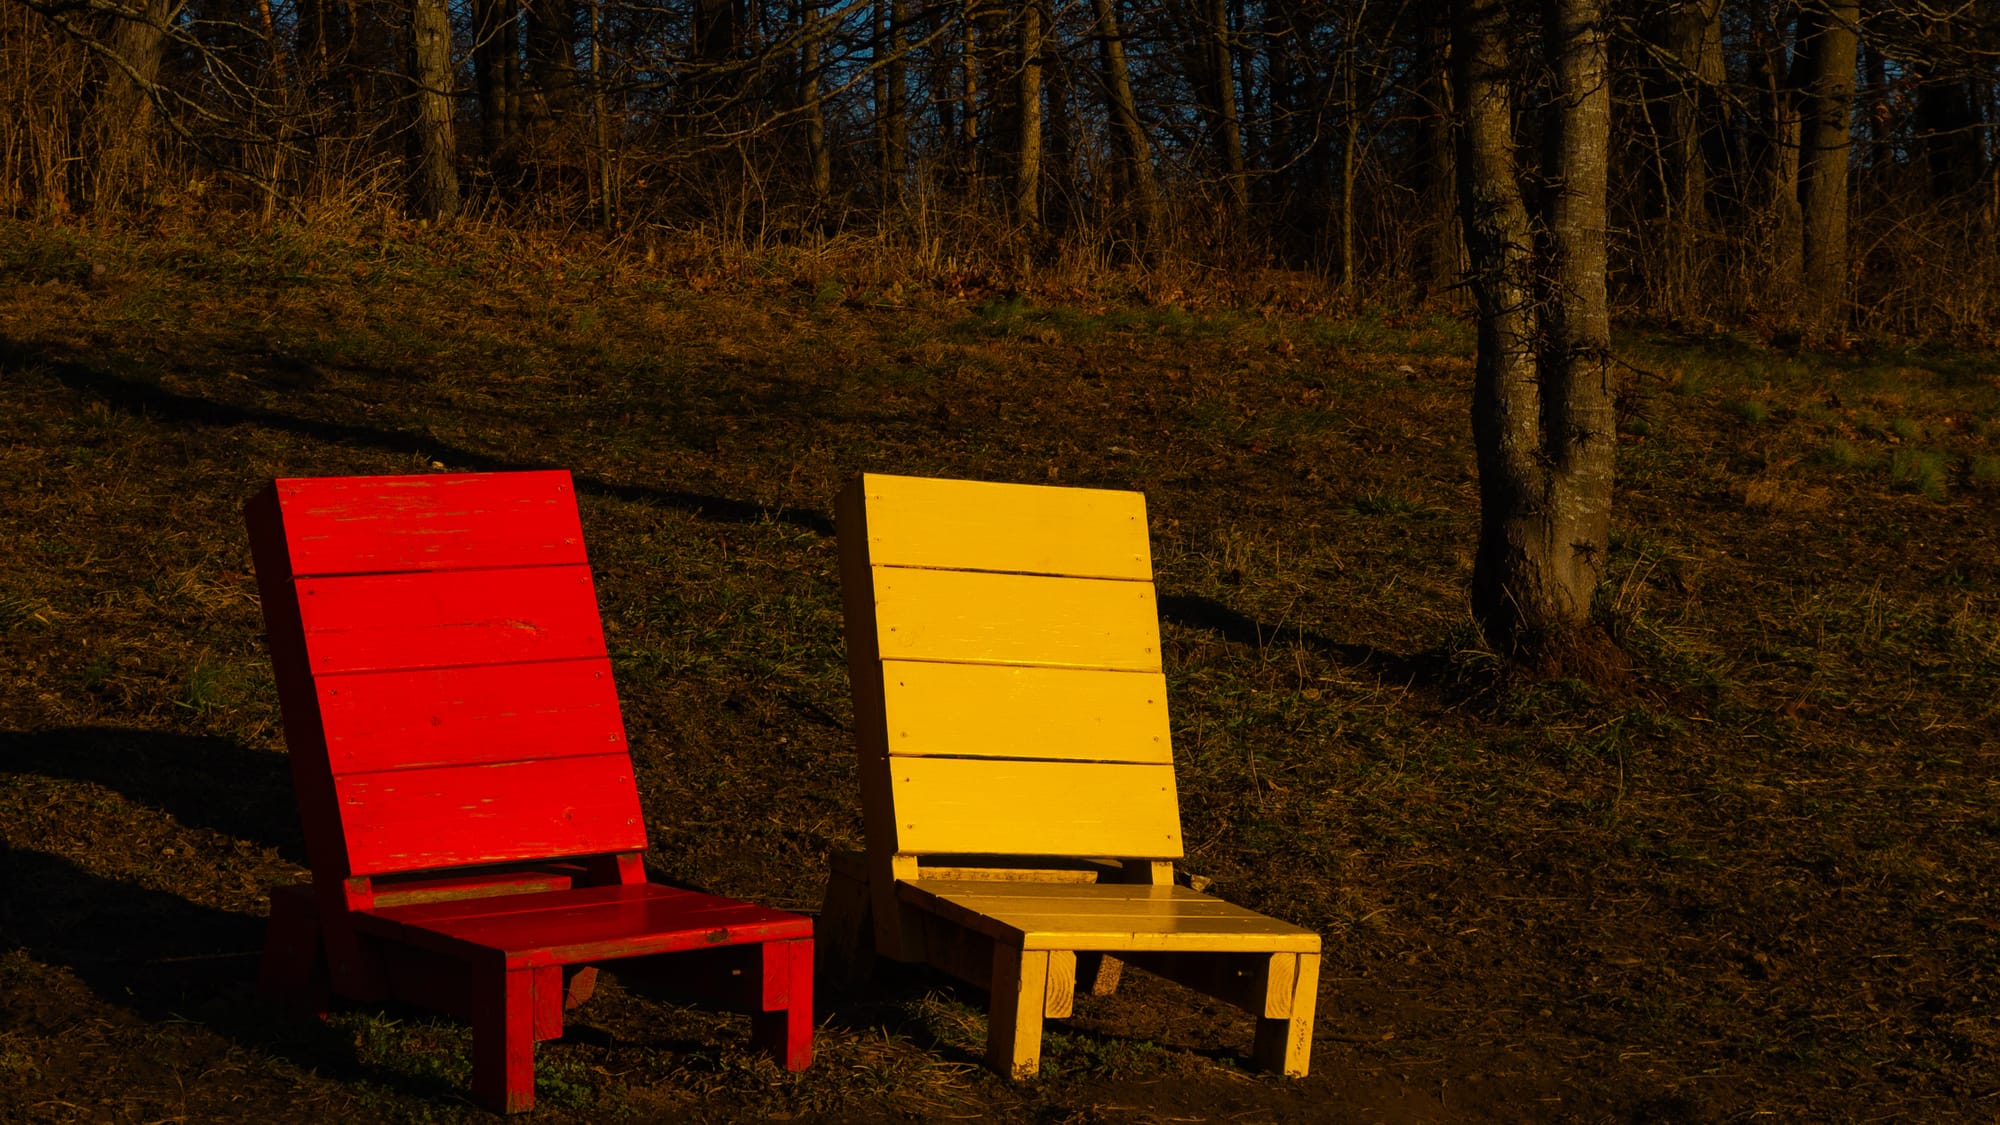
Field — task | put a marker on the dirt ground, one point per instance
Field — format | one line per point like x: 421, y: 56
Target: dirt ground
x: 1757, y: 881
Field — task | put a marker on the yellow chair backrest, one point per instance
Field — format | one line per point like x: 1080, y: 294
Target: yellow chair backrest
x: 1004, y: 647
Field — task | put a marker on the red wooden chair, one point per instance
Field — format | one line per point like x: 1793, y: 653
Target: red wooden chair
x: 462, y: 774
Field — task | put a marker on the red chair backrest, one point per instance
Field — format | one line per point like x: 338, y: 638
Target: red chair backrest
x: 447, y: 694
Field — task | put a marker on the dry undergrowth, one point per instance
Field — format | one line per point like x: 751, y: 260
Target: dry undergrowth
x: 1759, y: 881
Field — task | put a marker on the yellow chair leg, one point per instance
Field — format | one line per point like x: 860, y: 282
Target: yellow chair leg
x: 1014, y: 1024
x: 1099, y: 972
x: 1059, y: 997
x: 1284, y: 1041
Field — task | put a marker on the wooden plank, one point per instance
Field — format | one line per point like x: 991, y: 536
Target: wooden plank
x: 503, y: 1040
x: 784, y: 1029
x: 1108, y: 917
x: 1001, y: 711
x: 459, y: 816
x: 429, y: 620
x: 1028, y: 529
x: 958, y: 951
x: 1014, y: 1020
x: 1284, y: 1045
x: 1059, y: 995
x: 478, y: 885
x: 967, y: 617
x: 596, y: 923
x: 418, y: 718
x: 357, y: 525
x: 997, y: 807
x: 1259, y: 983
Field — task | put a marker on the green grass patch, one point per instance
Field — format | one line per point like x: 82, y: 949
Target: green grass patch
x: 1841, y: 454
x: 1984, y: 471
x: 1918, y: 470
x: 1751, y: 411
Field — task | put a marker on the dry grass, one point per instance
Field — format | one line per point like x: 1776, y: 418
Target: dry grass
x: 1760, y: 882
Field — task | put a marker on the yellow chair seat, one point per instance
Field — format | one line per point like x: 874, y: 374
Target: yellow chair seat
x: 1106, y: 917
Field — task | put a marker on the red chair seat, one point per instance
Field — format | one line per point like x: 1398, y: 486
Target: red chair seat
x: 580, y: 926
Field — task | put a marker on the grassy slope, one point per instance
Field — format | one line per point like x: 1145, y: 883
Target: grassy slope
x: 1762, y: 880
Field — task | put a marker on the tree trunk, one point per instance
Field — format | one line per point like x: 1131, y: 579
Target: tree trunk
x: 1028, y: 119
x: 1778, y: 160
x: 1580, y: 438
x: 496, y: 72
x: 819, y: 163
x: 1229, y: 129
x: 434, y: 178
x: 893, y: 145
x: 1443, y: 257
x: 1687, y: 37
x: 1135, y: 154
x: 121, y: 116
x: 1829, y: 104
x: 1541, y: 412
x: 1059, y: 160
x: 552, y: 54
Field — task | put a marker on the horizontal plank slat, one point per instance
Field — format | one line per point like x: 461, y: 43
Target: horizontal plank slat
x: 351, y: 525
x: 589, y: 924
x: 1003, y: 711
x: 456, y: 816
x: 968, y: 617
x: 1107, y: 917
x: 1004, y: 807
x: 430, y: 620
x: 1029, y: 529
x: 464, y: 716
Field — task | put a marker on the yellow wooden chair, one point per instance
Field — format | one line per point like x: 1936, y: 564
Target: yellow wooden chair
x: 1016, y: 767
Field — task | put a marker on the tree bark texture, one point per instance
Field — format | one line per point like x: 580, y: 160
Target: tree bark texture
x: 1542, y: 398
x: 1831, y: 54
x: 819, y: 162
x: 1028, y: 119
x: 1135, y: 153
x: 434, y: 176
x: 552, y: 54
x: 1229, y: 126
x: 1687, y: 39
x: 121, y: 117
x: 894, y: 142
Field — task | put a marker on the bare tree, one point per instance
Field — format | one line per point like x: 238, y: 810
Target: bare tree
x: 1542, y: 415
x: 1128, y: 133
x: 434, y: 177
x: 1028, y: 117
x: 1830, y: 55
x: 121, y: 117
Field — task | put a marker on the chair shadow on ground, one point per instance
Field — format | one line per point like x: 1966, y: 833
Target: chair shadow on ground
x: 168, y: 960
x: 202, y: 781
x: 161, y: 956
x: 882, y: 1007
x: 153, y: 952
x: 155, y: 403
x: 1192, y: 612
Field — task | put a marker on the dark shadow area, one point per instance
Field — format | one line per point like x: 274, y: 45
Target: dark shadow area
x: 881, y: 1006
x: 167, y: 959
x: 1424, y: 669
x: 201, y: 781
x: 145, y: 400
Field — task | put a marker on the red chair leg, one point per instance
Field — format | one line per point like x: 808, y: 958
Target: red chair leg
x: 503, y: 1038
x: 784, y: 1028
x: 293, y: 970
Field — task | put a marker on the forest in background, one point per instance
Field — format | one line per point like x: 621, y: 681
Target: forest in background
x: 997, y: 139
